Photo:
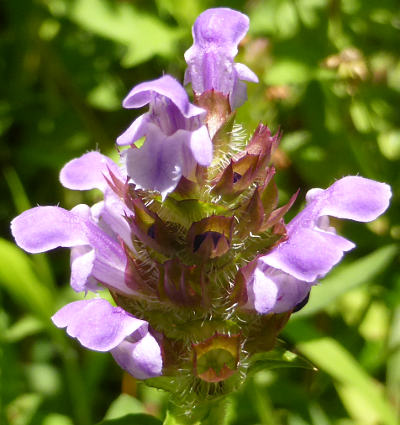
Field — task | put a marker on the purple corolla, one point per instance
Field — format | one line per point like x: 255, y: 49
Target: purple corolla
x: 283, y: 278
x: 101, y: 327
x: 98, y: 238
x: 216, y: 35
x: 176, y: 137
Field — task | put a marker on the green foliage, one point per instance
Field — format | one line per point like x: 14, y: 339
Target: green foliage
x: 329, y: 78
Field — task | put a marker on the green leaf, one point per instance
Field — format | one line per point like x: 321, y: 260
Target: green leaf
x: 277, y: 358
x: 123, y: 405
x: 136, y: 419
x: 347, y: 277
x: 288, y: 71
x: 21, y: 410
x: 27, y: 326
x: 19, y: 280
x: 393, y: 363
x: 143, y: 35
x: 331, y: 357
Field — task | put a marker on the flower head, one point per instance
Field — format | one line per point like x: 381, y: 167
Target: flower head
x: 205, y: 276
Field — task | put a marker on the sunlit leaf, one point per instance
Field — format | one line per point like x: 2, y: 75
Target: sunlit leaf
x: 19, y: 280
x: 143, y: 35
x: 123, y: 405
x: 137, y: 419
x: 332, y: 358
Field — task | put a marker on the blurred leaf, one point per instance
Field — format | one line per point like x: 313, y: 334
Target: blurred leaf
x: 21, y: 410
x: 22, y: 203
x: 184, y: 11
x: 389, y: 144
x: 19, y: 280
x: 57, y: 419
x: 43, y: 378
x: 346, y: 277
x: 277, y: 17
x: 123, y: 405
x: 318, y: 416
x: 138, y: 419
x: 277, y: 358
x: 287, y: 71
x: 18, y: 193
x: 393, y: 363
x: 331, y: 357
x: 359, y: 408
x: 105, y: 96
x: 27, y: 326
x: 144, y: 35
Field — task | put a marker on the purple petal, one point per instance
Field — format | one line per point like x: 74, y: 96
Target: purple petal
x: 221, y: 27
x: 216, y: 35
x: 87, y: 172
x: 157, y: 165
x: 313, y: 248
x: 142, y: 359
x: 97, y: 324
x: 245, y: 73
x: 355, y: 198
x: 135, y: 131
x: 82, y: 263
x: 273, y: 291
x: 197, y: 147
x: 44, y: 228
x: 166, y: 86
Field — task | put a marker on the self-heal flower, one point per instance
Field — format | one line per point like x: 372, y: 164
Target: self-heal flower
x: 204, y: 280
x: 216, y: 35
x: 98, y: 237
x: 283, y: 277
x: 101, y: 327
x: 176, y: 138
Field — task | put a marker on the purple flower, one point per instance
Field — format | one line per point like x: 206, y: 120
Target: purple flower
x: 176, y: 139
x: 216, y: 35
x: 95, y: 236
x: 101, y: 327
x: 283, y: 277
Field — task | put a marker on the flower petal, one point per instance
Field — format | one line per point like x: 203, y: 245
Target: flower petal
x: 97, y: 324
x: 142, y: 359
x: 143, y: 93
x: 273, y: 291
x: 157, y: 165
x: 216, y: 35
x: 82, y: 263
x: 135, y: 131
x: 245, y: 73
x: 201, y: 147
x: 356, y: 198
x: 312, y: 248
x: 88, y: 172
x: 44, y: 228
x: 308, y: 253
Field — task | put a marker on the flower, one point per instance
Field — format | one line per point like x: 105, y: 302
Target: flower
x: 97, y: 256
x: 205, y: 279
x: 216, y: 35
x: 283, y: 278
x: 176, y: 138
x: 101, y: 327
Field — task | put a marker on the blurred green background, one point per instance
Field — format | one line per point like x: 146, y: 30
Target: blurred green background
x: 329, y: 79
